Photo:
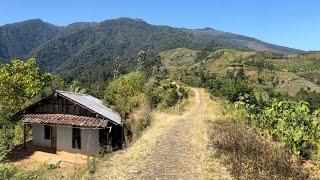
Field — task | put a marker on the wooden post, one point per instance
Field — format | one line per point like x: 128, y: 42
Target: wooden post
x: 24, y: 136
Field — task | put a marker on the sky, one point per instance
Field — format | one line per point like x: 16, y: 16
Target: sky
x: 291, y: 23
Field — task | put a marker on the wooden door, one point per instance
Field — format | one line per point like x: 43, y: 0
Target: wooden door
x: 54, y: 138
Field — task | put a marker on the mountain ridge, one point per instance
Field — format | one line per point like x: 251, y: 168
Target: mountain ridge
x: 251, y: 43
x: 86, y: 50
x: 222, y: 37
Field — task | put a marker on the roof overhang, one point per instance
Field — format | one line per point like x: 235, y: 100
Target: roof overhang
x: 64, y: 120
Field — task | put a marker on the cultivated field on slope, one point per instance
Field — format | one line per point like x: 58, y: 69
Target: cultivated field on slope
x: 292, y: 73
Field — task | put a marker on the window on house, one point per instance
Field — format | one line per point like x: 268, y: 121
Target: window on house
x: 76, y: 138
x: 47, y: 132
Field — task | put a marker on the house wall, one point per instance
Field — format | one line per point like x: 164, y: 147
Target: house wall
x: 38, y: 136
x: 89, y: 141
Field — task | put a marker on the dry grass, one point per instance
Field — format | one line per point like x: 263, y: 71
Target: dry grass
x: 174, y: 147
x: 294, y: 84
x: 236, y: 143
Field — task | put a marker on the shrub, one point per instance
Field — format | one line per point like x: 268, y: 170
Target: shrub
x: 291, y: 123
x: 312, y: 97
x: 165, y: 94
x: 141, y: 124
x: 170, y: 98
x: 125, y: 92
x: 232, y: 89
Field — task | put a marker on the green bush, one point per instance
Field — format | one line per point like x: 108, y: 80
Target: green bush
x: 165, y: 94
x: 232, y: 89
x: 170, y: 98
x: 141, y: 124
x: 312, y: 97
x: 291, y: 123
x: 125, y: 92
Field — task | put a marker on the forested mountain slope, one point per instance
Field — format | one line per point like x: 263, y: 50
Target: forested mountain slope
x: 241, y: 42
x: 18, y: 39
x: 86, y: 50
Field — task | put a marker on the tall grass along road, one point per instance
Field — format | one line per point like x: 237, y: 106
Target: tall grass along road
x: 174, y: 147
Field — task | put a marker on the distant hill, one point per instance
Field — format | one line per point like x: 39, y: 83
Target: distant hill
x: 241, y: 42
x: 18, y: 39
x: 86, y: 50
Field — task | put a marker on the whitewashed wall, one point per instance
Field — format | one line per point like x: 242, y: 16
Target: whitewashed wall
x: 89, y: 140
x: 38, y: 136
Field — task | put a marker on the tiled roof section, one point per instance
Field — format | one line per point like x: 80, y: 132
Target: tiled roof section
x: 93, y: 104
x: 64, y: 119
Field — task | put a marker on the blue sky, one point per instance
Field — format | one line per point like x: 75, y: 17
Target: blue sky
x: 292, y: 23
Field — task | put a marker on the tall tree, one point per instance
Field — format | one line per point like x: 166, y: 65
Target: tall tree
x: 21, y: 81
x: 117, y: 67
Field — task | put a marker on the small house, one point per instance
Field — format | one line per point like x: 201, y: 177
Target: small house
x: 72, y: 122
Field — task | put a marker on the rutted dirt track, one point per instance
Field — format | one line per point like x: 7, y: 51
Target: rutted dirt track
x: 174, y: 147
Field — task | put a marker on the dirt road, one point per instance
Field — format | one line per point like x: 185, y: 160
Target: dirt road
x: 174, y: 147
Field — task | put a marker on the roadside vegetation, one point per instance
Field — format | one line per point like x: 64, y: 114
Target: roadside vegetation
x: 275, y: 135
x: 250, y: 156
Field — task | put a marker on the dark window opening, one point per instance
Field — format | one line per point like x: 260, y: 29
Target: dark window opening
x: 103, y: 137
x: 47, y: 132
x: 76, y: 138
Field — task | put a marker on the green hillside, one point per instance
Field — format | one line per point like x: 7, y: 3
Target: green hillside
x: 291, y: 72
x: 86, y: 50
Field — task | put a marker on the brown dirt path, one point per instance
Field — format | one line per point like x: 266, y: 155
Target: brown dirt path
x: 174, y: 147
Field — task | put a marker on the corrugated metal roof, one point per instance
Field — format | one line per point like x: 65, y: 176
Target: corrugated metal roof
x: 93, y: 104
x: 64, y: 119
